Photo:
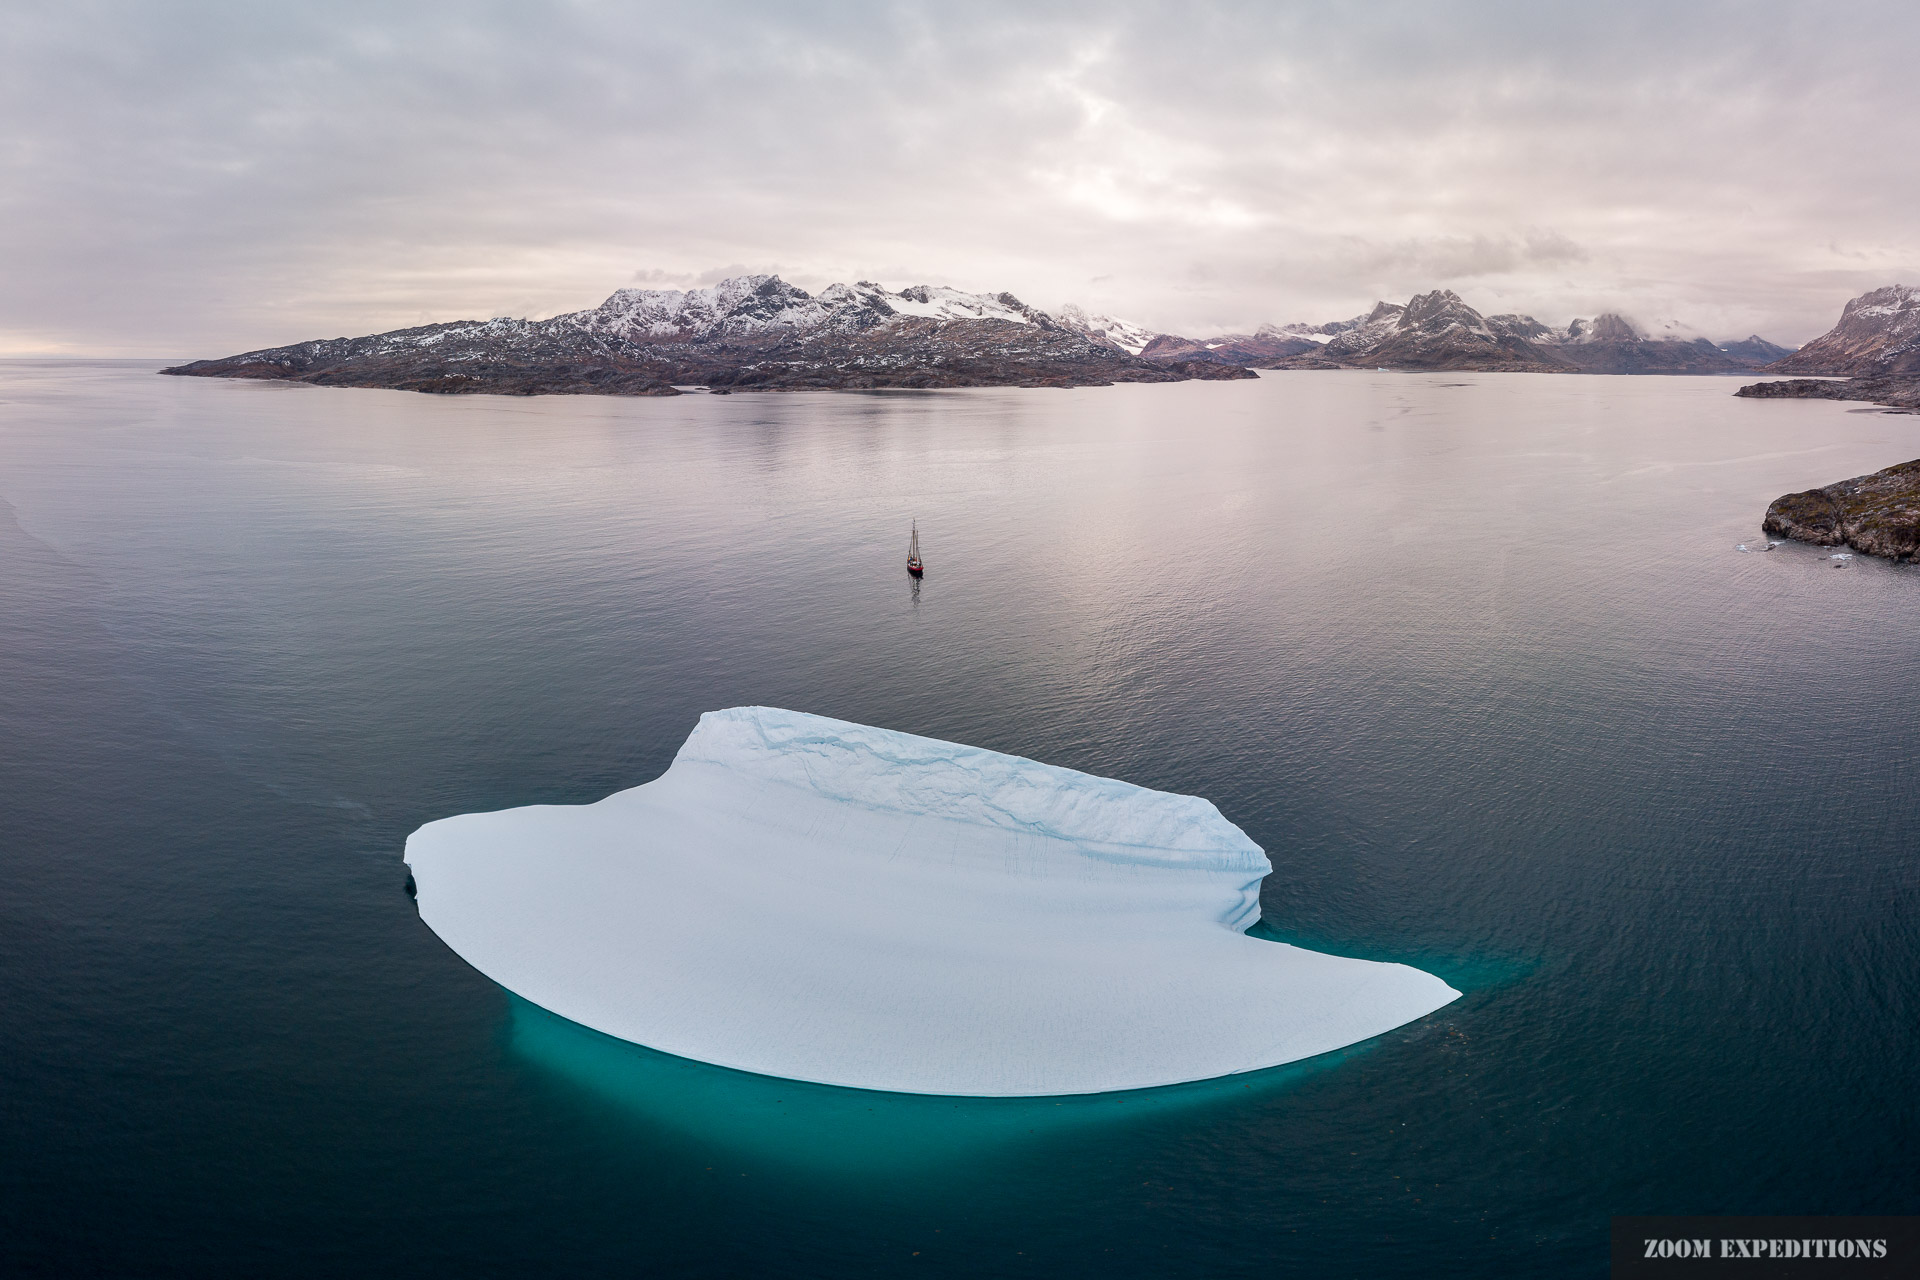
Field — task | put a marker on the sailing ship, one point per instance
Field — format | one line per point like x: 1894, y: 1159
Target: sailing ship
x: 914, y: 567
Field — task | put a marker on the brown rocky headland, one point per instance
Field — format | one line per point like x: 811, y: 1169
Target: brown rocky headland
x: 1891, y: 391
x: 1878, y: 515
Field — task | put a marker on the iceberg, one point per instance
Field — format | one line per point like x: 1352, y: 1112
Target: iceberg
x: 818, y: 900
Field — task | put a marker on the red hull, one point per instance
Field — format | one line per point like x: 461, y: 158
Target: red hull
x: 916, y: 570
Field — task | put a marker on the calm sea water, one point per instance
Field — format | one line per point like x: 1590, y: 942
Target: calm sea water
x: 1473, y: 657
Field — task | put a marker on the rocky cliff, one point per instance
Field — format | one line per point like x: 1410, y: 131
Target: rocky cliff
x: 749, y: 333
x: 1878, y: 333
x: 1877, y: 514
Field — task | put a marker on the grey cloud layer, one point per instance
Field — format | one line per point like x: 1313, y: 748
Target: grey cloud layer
x: 193, y: 179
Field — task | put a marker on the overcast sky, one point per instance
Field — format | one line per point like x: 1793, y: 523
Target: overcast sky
x: 195, y: 179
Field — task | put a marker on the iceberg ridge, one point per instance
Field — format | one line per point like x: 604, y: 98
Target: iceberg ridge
x: 901, y: 773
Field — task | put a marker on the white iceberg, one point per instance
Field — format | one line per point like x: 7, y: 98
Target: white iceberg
x: 818, y: 900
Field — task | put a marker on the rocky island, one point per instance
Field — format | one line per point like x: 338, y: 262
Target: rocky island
x: 1878, y: 515
x: 755, y: 333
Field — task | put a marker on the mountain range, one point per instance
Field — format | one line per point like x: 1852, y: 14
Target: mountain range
x: 1438, y: 330
x: 761, y: 333
x: 748, y: 333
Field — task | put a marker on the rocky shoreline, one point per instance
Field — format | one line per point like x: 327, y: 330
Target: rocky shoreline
x: 1878, y: 514
x: 1899, y: 394
x: 1872, y: 355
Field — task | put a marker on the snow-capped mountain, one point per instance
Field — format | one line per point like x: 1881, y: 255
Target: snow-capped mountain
x: 1754, y: 350
x: 1263, y: 348
x: 1364, y: 332
x: 1434, y: 330
x: 1318, y: 334
x: 751, y: 332
x: 748, y: 307
x: 939, y: 302
x: 1270, y: 346
x: 1525, y: 328
x: 1878, y: 333
x: 1122, y: 335
x: 1604, y: 328
x: 740, y: 307
x: 1438, y: 330
x: 1611, y: 343
x: 758, y: 331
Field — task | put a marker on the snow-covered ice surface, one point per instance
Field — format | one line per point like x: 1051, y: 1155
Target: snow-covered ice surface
x: 820, y: 900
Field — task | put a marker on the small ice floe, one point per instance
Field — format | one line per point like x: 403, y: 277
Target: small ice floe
x: 1844, y: 555
x: 1743, y: 547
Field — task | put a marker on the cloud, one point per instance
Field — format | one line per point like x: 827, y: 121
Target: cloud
x: 205, y: 177
x: 1447, y: 260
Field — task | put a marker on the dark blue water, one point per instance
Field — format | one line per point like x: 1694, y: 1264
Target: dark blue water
x: 1473, y: 657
